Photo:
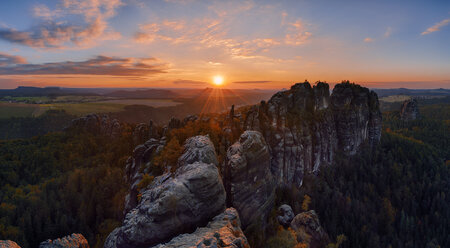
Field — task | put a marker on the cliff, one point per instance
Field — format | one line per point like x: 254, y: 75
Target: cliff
x: 305, y: 126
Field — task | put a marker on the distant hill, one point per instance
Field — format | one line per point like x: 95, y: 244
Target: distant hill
x: 412, y: 92
x: 150, y: 93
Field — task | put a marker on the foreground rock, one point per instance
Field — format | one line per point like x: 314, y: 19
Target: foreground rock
x: 305, y: 126
x: 410, y: 110
x: 8, y: 244
x: 249, y: 182
x: 74, y: 240
x: 223, y: 231
x: 175, y: 203
x: 308, y: 230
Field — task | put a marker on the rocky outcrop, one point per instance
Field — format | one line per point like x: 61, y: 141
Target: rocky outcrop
x: 409, y: 110
x: 222, y: 232
x: 308, y: 230
x: 305, y: 126
x: 285, y: 215
x: 74, y: 240
x: 8, y: 244
x: 97, y: 124
x: 248, y: 179
x: 357, y: 116
x: 175, y: 203
x: 136, y: 165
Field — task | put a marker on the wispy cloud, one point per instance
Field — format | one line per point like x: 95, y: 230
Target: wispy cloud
x: 251, y: 82
x: 368, y: 40
x: 388, y: 32
x: 436, y: 27
x: 9, y: 60
x: 189, y: 82
x: 54, y: 30
x: 100, y: 65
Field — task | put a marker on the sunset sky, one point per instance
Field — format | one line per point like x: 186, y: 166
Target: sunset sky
x: 252, y: 44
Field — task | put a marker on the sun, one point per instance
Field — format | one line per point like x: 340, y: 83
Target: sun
x: 218, y: 80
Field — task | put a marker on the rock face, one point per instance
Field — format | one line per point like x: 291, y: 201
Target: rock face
x: 98, y: 124
x: 223, y: 231
x: 410, y: 110
x: 142, y: 155
x: 74, y: 240
x: 249, y: 182
x: 8, y: 244
x: 305, y: 126
x: 175, y: 203
x: 285, y: 215
x: 357, y: 116
x: 308, y: 230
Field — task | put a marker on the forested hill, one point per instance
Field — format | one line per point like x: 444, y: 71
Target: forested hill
x: 392, y: 195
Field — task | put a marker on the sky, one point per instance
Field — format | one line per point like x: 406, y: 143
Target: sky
x: 251, y: 44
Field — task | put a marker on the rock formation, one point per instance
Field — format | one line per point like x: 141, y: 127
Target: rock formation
x: 305, y: 126
x: 409, y: 110
x: 135, y: 167
x: 175, y: 203
x: 74, y: 240
x: 98, y: 124
x: 308, y: 230
x: 8, y: 244
x: 285, y: 215
x: 248, y: 179
x: 222, y: 232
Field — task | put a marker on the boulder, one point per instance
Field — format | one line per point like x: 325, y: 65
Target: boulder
x: 8, y: 244
x: 74, y: 240
x: 175, y: 203
x: 308, y: 230
x: 249, y: 181
x: 223, y: 231
x: 285, y: 215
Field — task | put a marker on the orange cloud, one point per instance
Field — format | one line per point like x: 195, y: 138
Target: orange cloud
x: 436, y: 27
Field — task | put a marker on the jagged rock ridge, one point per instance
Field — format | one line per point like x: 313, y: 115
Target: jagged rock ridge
x: 305, y: 126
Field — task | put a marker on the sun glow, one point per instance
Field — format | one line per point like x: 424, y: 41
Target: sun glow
x: 218, y: 80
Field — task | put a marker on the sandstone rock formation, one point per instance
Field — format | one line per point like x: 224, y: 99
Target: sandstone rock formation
x: 175, y: 203
x: 248, y: 179
x: 308, y: 230
x: 8, y: 244
x: 223, y: 231
x: 74, y: 240
x: 305, y: 126
x: 409, y: 110
x: 142, y: 155
x: 98, y: 124
x: 285, y: 215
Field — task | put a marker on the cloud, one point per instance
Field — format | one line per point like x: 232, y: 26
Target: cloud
x: 296, y: 33
x: 51, y: 33
x: 436, y: 27
x: 388, y: 32
x: 219, y: 31
x: 100, y: 65
x: 368, y: 40
x: 251, y: 82
x: 191, y: 82
x: 7, y: 60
